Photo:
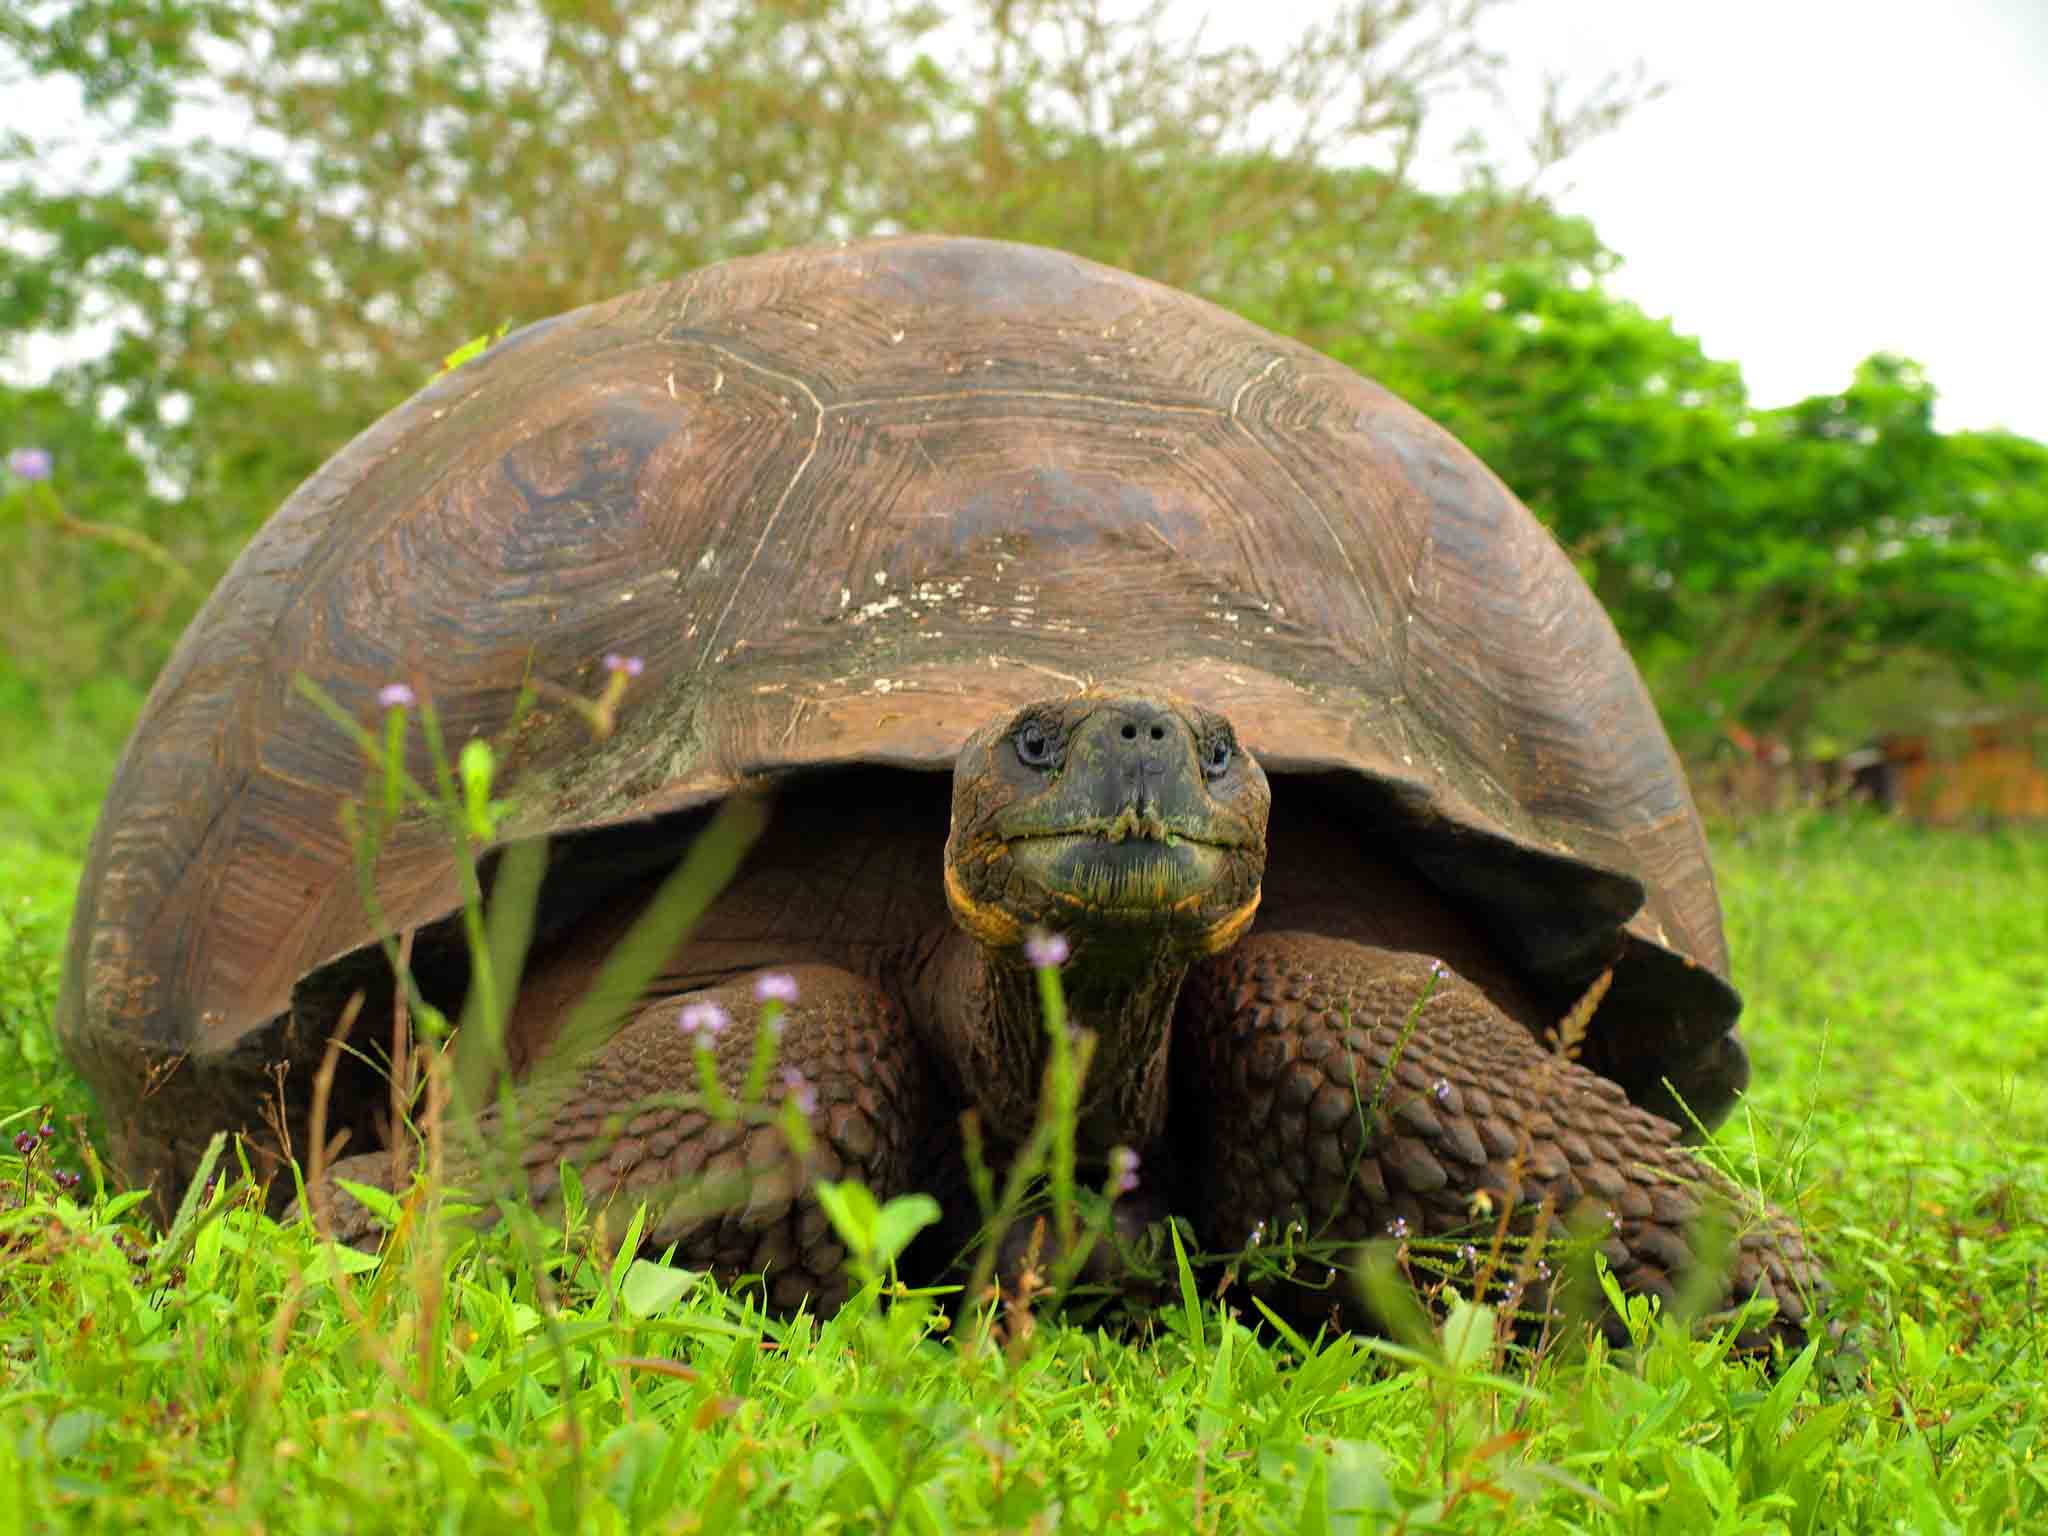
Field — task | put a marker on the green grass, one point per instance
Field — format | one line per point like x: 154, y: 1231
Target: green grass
x: 235, y: 1377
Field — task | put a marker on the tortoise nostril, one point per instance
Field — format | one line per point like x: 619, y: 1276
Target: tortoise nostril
x: 1130, y: 732
x: 1159, y: 733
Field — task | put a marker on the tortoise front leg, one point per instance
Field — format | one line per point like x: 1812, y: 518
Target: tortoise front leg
x: 731, y: 1196
x: 1318, y: 1113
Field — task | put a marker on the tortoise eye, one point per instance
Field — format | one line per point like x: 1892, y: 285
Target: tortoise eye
x: 1216, y: 757
x: 1035, y: 748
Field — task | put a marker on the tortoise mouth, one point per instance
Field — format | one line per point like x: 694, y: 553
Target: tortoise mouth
x: 1121, y: 876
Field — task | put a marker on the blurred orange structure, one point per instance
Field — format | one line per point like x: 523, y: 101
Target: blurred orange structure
x: 1984, y: 769
x: 1990, y: 769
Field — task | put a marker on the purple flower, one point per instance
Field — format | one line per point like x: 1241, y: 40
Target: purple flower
x: 26, y: 1142
x: 1614, y: 1220
x: 1398, y: 1227
x: 1543, y: 1269
x: 65, y: 1178
x: 47, y: 1131
x: 1123, y: 1167
x: 775, y: 987
x: 1046, y: 951
x: 706, y: 1019
x: 1258, y: 1235
x: 799, y: 1090
x: 632, y: 666
x: 1468, y: 1253
x: 396, y: 696
x: 29, y: 463
x: 1442, y: 1089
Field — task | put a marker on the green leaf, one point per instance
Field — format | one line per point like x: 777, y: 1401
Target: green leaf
x: 348, y: 1260
x: 649, y: 1288
x: 898, y: 1222
x: 1190, y: 1303
x: 476, y: 346
x: 1467, y: 1334
x: 853, y: 1213
x: 380, y: 1203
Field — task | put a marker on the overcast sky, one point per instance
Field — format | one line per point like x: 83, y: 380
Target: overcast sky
x: 1824, y: 179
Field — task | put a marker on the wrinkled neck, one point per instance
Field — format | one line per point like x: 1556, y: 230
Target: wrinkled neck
x: 991, y: 1028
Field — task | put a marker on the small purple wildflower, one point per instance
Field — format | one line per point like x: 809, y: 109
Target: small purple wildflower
x: 1614, y: 1220
x: 1046, y: 951
x: 65, y: 1178
x: 1258, y: 1235
x: 1123, y: 1167
x: 1543, y: 1269
x: 47, y: 1131
x: 1468, y: 1253
x: 631, y: 666
x: 775, y: 987
x: 396, y: 696
x: 29, y: 463
x: 705, y: 1019
x: 800, y: 1091
x: 1398, y: 1228
x: 1442, y: 1089
x: 25, y: 1142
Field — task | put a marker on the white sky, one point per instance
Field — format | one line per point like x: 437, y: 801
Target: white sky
x: 1824, y: 179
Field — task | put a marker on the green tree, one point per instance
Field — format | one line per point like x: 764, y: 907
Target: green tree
x: 1874, y: 537
x: 1755, y: 561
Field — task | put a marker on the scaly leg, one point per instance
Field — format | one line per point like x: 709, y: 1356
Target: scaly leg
x: 1313, y: 1116
x: 731, y: 1196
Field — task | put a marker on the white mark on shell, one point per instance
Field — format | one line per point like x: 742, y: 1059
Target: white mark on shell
x: 876, y: 610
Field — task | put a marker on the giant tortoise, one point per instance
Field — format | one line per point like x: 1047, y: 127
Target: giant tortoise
x: 1039, y: 597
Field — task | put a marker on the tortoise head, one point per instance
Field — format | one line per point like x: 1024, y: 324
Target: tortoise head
x: 1120, y: 818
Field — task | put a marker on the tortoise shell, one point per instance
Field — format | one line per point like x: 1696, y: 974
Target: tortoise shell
x: 847, y: 504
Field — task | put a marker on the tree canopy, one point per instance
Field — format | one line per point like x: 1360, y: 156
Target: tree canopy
x: 1755, y: 560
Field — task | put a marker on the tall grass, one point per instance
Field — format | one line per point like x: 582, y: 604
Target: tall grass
x: 236, y: 1373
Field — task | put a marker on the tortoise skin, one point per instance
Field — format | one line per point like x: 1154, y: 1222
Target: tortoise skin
x: 848, y: 503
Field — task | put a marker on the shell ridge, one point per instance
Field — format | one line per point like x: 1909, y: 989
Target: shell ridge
x: 818, y: 413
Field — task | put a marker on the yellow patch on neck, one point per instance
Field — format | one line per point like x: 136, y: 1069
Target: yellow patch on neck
x: 984, y: 921
x: 1231, y: 929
